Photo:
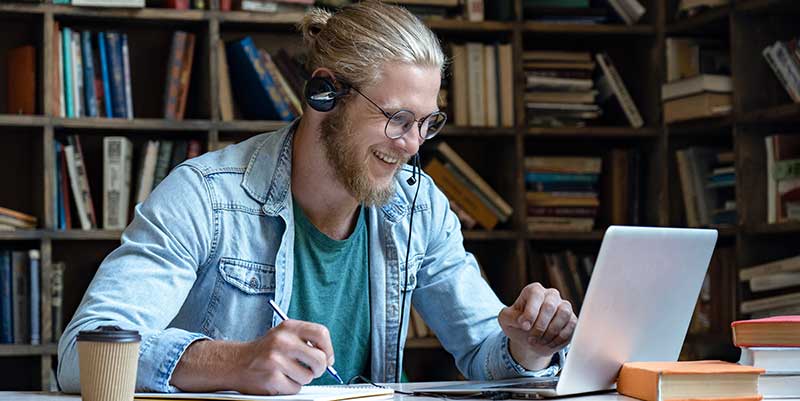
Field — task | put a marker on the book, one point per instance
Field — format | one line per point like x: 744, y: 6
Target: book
x: 772, y: 359
x: 702, y: 105
x: 697, y: 84
x: 619, y: 90
x: 457, y: 192
x: 225, y: 93
x: 459, y: 85
x: 173, y: 79
x: 126, y: 74
x: 787, y: 265
x: 34, y: 294
x: 254, y: 89
x: 306, y: 393
x: 662, y: 381
x: 21, y: 80
x: 779, y: 385
x: 117, y: 154
x: 777, y: 331
x: 89, y: 95
x: 6, y: 308
x: 20, y: 296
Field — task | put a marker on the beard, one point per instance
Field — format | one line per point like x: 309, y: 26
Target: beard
x: 340, y: 144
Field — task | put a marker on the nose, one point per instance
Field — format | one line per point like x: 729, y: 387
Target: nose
x: 410, y: 142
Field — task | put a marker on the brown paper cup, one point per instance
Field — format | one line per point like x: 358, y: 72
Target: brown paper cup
x: 107, y: 367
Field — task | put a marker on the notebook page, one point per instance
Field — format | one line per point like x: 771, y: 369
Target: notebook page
x: 307, y: 393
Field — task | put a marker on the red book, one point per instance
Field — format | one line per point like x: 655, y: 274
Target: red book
x: 178, y: 4
x: 776, y: 331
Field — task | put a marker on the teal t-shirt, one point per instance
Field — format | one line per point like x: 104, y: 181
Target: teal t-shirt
x: 331, y: 287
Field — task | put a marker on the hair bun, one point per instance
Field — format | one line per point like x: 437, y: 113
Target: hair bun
x: 312, y: 24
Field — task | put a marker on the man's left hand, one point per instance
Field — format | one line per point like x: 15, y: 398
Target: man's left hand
x: 538, y: 325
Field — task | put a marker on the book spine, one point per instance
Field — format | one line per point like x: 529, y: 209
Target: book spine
x: 65, y: 186
x: 173, y: 75
x: 285, y: 91
x: 117, y: 82
x: 66, y: 46
x: 477, y: 94
x: 249, y: 81
x: 769, y: 55
x: 77, y: 74
x: 59, y: 202
x: 57, y: 298
x: 618, y: 86
x: 19, y: 277
x: 101, y: 46
x: 116, y: 181
x: 88, y: 75
x: 126, y: 73
x: 461, y: 195
x: 459, y: 86
x: 6, y: 310
x: 35, y: 295
x: 58, y: 75
x: 185, y: 75
x: 69, y: 152
x: 147, y: 171
x: 162, y: 163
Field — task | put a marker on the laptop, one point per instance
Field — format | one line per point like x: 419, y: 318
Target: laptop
x: 637, y: 307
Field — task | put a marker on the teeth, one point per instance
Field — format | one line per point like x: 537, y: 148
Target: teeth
x: 386, y: 158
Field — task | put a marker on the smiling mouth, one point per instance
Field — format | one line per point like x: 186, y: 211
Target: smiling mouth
x: 388, y: 159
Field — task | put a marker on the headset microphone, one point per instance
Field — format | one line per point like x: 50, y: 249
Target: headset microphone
x: 415, y: 170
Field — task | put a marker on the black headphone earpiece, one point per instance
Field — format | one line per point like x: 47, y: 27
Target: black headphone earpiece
x: 321, y: 93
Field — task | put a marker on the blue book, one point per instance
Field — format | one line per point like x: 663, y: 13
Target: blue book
x: 66, y: 53
x: 6, y: 313
x: 253, y: 87
x: 559, y: 177
x: 101, y: 46
x: 90, y: 97
x: 34, y: 296
x: 115, y: 68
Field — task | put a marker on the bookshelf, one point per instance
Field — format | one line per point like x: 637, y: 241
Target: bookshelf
x: 761, y: 107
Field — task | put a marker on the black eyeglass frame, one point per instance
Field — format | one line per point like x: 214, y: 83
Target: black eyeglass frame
x: 419, y: 122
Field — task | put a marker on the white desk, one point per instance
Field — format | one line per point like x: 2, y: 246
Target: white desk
x: 38, y: 396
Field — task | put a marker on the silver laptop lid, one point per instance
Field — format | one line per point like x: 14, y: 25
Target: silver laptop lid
x: 639, y: 302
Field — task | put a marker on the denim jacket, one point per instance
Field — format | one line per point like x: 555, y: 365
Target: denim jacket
x: 214, y: 242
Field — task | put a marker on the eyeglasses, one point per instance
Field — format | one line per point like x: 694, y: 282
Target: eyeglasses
x: 401, y: 121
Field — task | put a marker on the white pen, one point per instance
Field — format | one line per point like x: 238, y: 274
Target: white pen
x: 283, y: 317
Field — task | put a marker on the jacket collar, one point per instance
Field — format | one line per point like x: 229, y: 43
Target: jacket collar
x: 267, y: 178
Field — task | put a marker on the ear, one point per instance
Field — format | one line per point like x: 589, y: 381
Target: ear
x: 324, y: 73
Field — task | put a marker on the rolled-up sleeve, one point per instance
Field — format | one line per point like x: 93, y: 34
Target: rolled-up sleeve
x: 143, y: 283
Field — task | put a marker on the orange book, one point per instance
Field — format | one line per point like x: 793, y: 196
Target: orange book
x: 21, y: 90
x: 694, y: 380
x: 776, y: 331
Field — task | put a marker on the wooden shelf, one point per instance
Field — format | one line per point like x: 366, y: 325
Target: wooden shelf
x: 478, y: 235
x: 454, y: 25
x: 596, y: 235
x: 12, y: 120
x: 706, y: 126
x: 21, y: 235
x: 84, y: 235
x: 588, y: 29
x: 249, y: 126
x: 453, y: 130
x: 596, y: 132
x: 778, y: 114
x: 138, y: 124
x: 766, y: 6
x: 715, y: 17
x: 792, y: 227
x: 28, y: 350
x: 423, y: 343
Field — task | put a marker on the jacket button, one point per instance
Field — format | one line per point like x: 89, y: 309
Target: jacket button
x: 253, y: 282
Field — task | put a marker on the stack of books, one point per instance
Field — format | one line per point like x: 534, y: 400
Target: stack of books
x: 783, y: 177
x: 771, y: 344
x: 20, y: 297
x: 560, y: 90
x: 273, y: 6
x: 689, y: 380
x: 11, y: 220
x: 698, y: 79
x: 466, y: 189
x: 774, y: 288
x: 583, y: 11
x: 569, y: 273
x: 482, y: 84
x: 562, y: 192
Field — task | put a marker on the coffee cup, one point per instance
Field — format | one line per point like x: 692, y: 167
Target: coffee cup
x: 108, y: 357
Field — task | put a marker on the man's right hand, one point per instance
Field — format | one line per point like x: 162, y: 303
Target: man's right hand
x: 280, y: 362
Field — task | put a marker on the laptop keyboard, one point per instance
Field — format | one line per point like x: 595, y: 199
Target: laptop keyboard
x: 531, y: 383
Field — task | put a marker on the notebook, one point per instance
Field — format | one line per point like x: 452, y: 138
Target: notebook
x: 307, y: 393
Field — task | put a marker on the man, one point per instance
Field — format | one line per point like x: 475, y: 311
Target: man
x: 317, y: 217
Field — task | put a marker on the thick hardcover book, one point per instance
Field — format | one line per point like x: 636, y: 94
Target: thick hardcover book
x: 457, y: 192
x: 89, y: 95
x: 185, y: 75
x: 34, y: 292
x: 662, y: 381
x: 77, y: 75
x: 66, y: 53
x: 620, y: 91
x: 126, y: 74
x: 104, y: 68
x: 776, y: 331
x: 253, y: 88
x: 162, y: 162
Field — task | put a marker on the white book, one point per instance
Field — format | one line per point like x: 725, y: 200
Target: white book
x: 697, y: 84
x: 77, y: 75
x: 126, y: 73
x: 786, y: 265
x: 147, y: 171
x: 772, y: 359
x: 34, y: 293
x: 506, y: 68
x: 490, y: 85
x: 69, y: 153
x: 534, y: 82
x: 779, y: 385
x: 775, y: 281
x: 306, y: 393
x: 620, y: 91
x: 117, y: 155
x: 477, y: 94
x: 109, y: 3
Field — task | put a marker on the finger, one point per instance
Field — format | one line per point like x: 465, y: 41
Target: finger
x: 508, y: 318
x: 530, y: 312
x: 565, y: 335
x: 310, y: 356
x: 319, y: 336
x: 295, y: 370
x: 282, y: 384
x: 546, y: 311
x: 561, y: 318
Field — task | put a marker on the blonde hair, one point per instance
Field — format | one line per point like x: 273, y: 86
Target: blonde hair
x: 359, y: 39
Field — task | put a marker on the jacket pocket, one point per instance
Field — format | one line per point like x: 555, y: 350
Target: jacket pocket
x: 414, y: 263
x: 250, y: 277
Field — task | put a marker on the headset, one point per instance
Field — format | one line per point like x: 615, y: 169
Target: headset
x: 321, y: 95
